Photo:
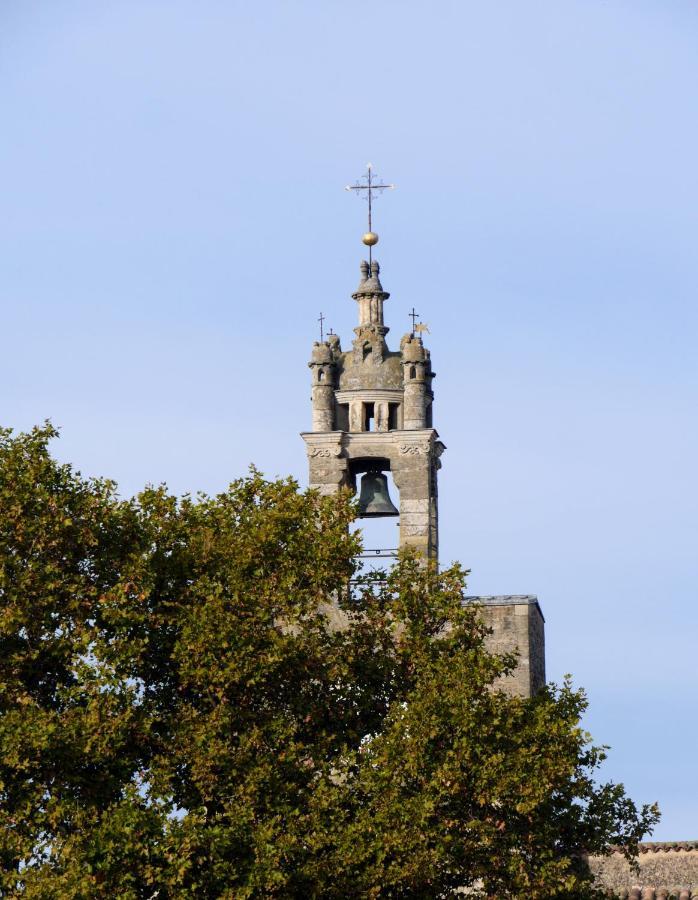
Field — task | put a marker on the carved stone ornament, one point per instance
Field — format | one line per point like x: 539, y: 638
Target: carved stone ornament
x: 324, y: 452
x: 414, y: 449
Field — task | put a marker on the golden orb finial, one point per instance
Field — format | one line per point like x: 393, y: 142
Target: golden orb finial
x: 370, y: 239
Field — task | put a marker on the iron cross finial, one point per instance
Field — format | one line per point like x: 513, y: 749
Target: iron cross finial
x: 414, y: 316
x: 372, y: 185
x: 321, y: 320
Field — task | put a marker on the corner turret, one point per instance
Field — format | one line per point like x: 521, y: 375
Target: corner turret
x: 323, y: 365
x: 417, y: 376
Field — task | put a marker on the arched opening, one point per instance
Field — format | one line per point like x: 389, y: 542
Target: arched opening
x: 320, y: 375
x: 413, y: 371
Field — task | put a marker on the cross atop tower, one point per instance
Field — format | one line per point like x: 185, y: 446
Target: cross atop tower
x: 371, y: 185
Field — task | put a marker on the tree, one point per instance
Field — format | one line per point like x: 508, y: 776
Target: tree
x: 200, y: 698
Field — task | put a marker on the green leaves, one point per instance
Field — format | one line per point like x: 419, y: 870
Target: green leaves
x: 195, y: 703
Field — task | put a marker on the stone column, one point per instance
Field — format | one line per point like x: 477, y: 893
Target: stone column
x: 356, y: 415
x: 328, y: 468
x: 414, y: 472
x: 381, y: 410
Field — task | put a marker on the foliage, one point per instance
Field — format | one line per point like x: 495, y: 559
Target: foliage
x: 195, y: 702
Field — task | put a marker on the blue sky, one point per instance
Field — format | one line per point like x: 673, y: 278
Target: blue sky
x: 174, y: 220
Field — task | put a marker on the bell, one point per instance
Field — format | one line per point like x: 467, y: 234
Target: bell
x: 374, y: 499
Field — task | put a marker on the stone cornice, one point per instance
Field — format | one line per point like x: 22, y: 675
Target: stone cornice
x: 395, y: 394
x: 506, y: 600
x: 422, y: 442
x: 326, y: 444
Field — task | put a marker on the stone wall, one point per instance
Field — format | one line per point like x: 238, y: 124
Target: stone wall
x: 517, y: 624
x: 666, y: 870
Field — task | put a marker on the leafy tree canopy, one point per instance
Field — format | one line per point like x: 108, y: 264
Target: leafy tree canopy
x: 196, y: 702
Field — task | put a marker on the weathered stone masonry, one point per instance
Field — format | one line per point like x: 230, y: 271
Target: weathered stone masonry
x: 372, y: 410
x: 665, y: 870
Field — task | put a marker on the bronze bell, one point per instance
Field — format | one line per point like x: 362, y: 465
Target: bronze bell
x: 374, y: 499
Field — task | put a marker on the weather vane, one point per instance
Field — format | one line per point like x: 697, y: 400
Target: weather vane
x: 371, y: 185
x: 417, y: 327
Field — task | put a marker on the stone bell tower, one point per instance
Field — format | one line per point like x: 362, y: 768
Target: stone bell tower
x: 372, y: 413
